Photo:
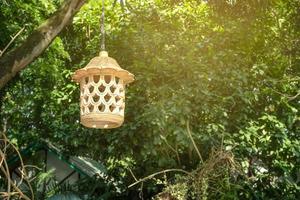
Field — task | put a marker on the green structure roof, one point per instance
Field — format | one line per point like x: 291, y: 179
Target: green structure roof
x: 83, y: 165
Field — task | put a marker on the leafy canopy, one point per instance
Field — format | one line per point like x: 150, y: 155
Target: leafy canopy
x: 229, y: 68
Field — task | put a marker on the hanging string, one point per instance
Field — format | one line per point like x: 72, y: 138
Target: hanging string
x: 102, y: 28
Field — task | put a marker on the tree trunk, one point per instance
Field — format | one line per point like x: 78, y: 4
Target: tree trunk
x: 38, y: 41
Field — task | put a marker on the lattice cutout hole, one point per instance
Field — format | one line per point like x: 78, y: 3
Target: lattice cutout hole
x: 101, y: 88
x: 96, y: 98
x: 118, y: 98
x: 107, y: 79
x: 86, y: 98
x: 112, y: 108
x: 91, y: 108
x: 117, y: 80
x: 113, y: 88
x: 121, y: 90
x: 86, y: 80
x: 121, y: 109
x: 96, y: 78
x: 101, y: 107
x: 91, y: 88
x: 107, y: 97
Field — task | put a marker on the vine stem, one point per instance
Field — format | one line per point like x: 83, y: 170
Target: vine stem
x: 157, y: 173
x: 193, y: 141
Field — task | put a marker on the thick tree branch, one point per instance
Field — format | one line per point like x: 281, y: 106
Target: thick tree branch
x: 38, y: 41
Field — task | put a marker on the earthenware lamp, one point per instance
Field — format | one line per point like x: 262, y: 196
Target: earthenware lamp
x: 102, y: 90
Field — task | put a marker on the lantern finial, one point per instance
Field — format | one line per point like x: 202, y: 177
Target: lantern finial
x: 103, y: 54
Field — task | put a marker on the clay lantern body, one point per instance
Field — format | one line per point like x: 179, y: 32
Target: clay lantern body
x: 102, y: 92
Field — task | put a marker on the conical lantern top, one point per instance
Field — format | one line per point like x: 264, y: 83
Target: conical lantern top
x: 103, y: 64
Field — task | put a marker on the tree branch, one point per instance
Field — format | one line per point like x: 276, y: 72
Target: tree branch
x: 38, y: 41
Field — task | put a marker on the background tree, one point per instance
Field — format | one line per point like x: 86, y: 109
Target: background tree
x: 229, y: 68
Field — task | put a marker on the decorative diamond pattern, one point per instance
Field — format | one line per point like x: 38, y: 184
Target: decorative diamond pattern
x: 102, y: 94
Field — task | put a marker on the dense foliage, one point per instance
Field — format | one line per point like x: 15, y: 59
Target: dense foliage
x: 230, y: 69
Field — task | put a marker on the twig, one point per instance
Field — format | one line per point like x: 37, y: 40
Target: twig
x: 19, y: 192
x: 6, y: 173
x: 12, y: 186
x: 289, y: 97
x: 141, y: 191
x: 174, y: 150
x: 23, y: 170
x: 11, y: 41
x: 191, y: 137
x: 294, y: 97
x: 132, y: 174
x: 157, y: 173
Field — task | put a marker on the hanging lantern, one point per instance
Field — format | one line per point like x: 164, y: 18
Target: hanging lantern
x: 102, y: 89
x: 102, y: 92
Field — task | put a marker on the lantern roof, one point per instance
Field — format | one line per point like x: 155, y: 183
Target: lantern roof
x: 103, y: 64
